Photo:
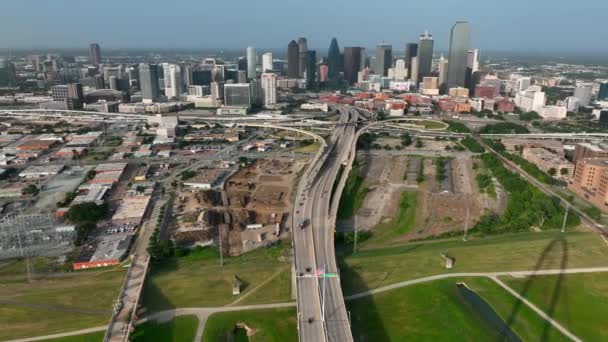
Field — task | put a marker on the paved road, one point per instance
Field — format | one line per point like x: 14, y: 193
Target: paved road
x: 65, y: 334
x: 477, y: 274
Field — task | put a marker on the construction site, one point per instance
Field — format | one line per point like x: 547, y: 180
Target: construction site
x: 445, y: 202
x: 246, y: 211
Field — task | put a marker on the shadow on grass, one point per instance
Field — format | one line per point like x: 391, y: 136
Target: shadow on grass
x: 559, y: 241
x: 153, y: 299
x: 365, y: 321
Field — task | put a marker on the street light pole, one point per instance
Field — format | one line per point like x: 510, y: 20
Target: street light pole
x: 565, y: 217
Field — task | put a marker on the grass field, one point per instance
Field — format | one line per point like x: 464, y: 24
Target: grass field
x: 372, y: 268
x: 310, y: 148
x: 436, y: 311
x: 91, y: 337
x: 577, y: 301
x: 67, y: 302
x: 199, y: 280
x: 274, y: 325
x: 182, y: 328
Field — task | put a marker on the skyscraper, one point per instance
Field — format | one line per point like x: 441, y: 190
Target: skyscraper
x: 94, y: 54
x: 400, y: 70
x: 414, y: 69
x: 267, y: 62
x: 603, y: 94
x: 148, y: 82
x: 334, y: 63
x: 443, y: 73
x: 384, y: 59
x: 311, y: 67
x: 352, y: 63
x: 472, y: 68
x: 293, y: 59
x: 269, y: 88
x: 425, y: 55
x: 252, y: 61
x: 242, y: 63
x: 411, y: 51
x: 460, y: 36
x: 303, y: 55
x: 238, y: 94
x: 583, y: 93
x: 173, y: 80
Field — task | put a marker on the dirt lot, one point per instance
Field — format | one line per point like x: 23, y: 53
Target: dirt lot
x: 246, y: 212
x: 436, y: 212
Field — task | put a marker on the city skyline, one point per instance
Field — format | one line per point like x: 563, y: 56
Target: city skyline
x: 54, y: 25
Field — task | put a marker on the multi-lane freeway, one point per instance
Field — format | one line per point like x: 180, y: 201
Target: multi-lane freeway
x: 322, y: 313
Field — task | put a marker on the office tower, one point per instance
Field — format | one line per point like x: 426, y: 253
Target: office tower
x: 293, y: 59
x: 522, y: 83
x: 113, y: 82
x: 242, y: 64
x: 443, y: 73
x: 7, y: 74
x: 252, y: 61
x: 323, y: 73
x: 572, y: 104
x: 352, y: 64
x: 94, y: 54
x: 267, y: 62
x: 603, y: 93
x: 531, y: 99
x: 311, y: 67
x: 414, y: 70
x: 425, y: 55
x: 411, y: 51
x: 204, y: 77
x: 334, y: 60
x: 302, y: 56
x: 472, y: 68
x: 583, y: 93
x: 257, y: 96
x: 217, y: 90
x: 70, y: 95
x: 269, y: 88
x: 133, y: 76
x: 148, y: 82
x: 187, y: 75
x: 238, y: 95
x: 241, y: 76
x: 429, y: 83
x: 218, y: 73
x: 400, y: 70
x: 460, y: 36
x: 384, y: 59
x: 173, y: 80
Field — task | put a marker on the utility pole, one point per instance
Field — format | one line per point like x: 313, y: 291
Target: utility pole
x: 565, y: 217
x: 355, y: 245
x: 323, y: 299
x: 221, y: 251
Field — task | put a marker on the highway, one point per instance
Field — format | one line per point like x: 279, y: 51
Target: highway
x: 322, y: 313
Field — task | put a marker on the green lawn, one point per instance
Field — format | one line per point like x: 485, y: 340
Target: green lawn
x: 180, y: 329
x: 372, y: 268
x: 310, y: 148
x: 577, y: 301
x: 436, y: 311
x: 198, y: 280
x: 54, y: 305
x: 272, y: 325
x: 91, y: 337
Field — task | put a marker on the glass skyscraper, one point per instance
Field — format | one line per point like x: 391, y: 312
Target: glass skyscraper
x: 460, y: 37
x: 148, y: 82
x: 425, y: 55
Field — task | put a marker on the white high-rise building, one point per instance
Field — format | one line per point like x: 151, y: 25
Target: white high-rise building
x: 252, y: 61
x: 269, y: 88
x: 522, y: 83
x: 267, y: 62
x: 473, y: 60
x: 532, y: 99
x: 573, y: 103
x: 400, y: 71
x: 414, y: 71
x: 173, y: 80
x: 583, y: 93
x: 443, y: 71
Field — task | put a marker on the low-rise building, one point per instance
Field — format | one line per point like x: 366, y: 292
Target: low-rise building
x: 34, y: 172
x: 590, y: 181
x: 206, y: 179
x: 547, y: 160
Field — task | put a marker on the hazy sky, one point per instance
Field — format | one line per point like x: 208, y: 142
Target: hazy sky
x: 505, y: 25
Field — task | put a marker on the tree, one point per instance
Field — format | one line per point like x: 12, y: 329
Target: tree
x: 419, y: 143
x: 88, y: 212
x: 83, y: 231
x: 552, y: 172
x: 31, y: 190
x: 563, y: 171
x: 406, y: 140
x: 140, y: 189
